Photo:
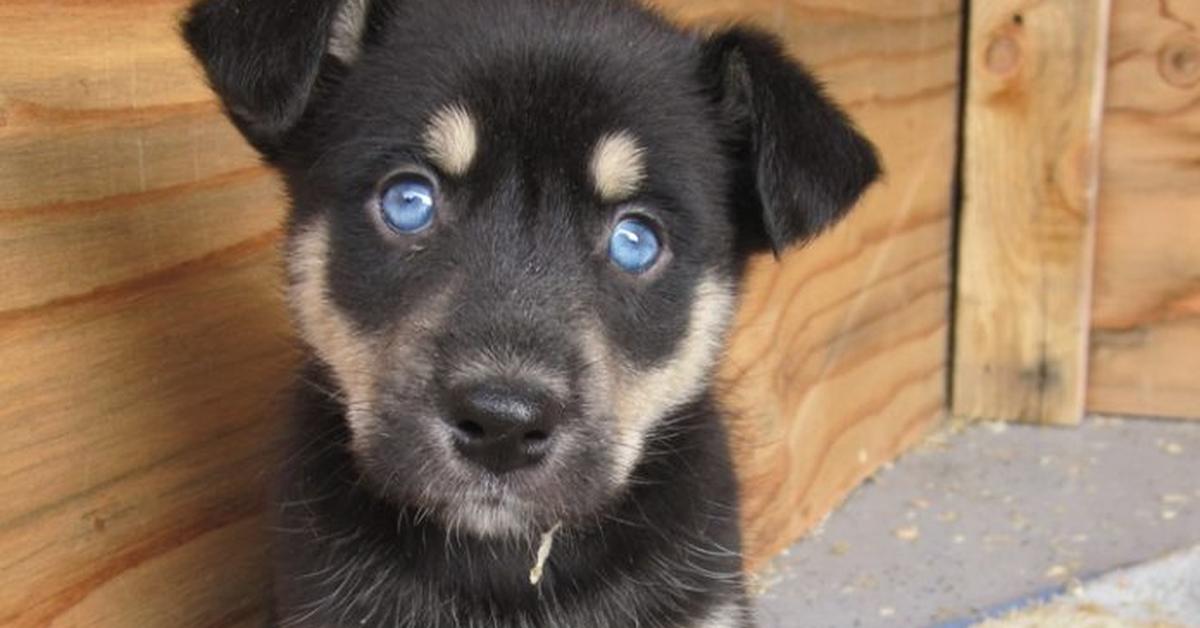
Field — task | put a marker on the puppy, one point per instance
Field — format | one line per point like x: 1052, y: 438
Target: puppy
x: 517, y: 228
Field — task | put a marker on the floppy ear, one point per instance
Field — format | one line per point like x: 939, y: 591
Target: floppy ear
x: 262, y: 57
x: 799, y: 154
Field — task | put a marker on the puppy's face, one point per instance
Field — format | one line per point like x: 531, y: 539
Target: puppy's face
x: 512, y: 276
x: 516, y: 228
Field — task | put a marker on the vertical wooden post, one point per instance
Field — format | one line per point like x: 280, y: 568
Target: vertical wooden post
x: 1033, y: 109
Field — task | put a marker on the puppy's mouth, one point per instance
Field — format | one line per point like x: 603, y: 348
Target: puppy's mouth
x: 422, y: 468
x: 494, y: 513
x: 493, y: 460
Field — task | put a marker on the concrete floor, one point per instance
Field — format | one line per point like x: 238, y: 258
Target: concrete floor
x: 1167, y: 587
x: 978, y: 518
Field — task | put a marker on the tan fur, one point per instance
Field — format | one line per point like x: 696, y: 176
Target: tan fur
x: 487, y: 519
x: 452, y: 139
x: 728, y: 616
x: 345, y: 37
x: 354, y: 357
x: 618, y: 166
x: 347, y: 353
x: 643, y: 396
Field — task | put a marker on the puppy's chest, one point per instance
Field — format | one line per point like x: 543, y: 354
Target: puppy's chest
x: 346, y: 580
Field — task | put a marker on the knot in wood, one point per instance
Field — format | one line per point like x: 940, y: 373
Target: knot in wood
x: 1179, y: 60
x: 1003, y: 55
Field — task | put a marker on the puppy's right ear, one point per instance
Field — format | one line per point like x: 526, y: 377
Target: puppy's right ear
x: 801, y: 159
x: 262, y: 57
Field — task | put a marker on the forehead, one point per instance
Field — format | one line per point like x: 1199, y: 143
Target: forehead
x: 541, y: 81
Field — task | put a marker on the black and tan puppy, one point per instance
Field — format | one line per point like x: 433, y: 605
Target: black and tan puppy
x: 516, y: 235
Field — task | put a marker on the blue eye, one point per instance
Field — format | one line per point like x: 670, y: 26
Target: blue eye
x: 408, y: 203
x: 633, y: 246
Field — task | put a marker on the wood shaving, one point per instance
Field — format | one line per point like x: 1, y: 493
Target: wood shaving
x: 1057, y: 572
x: 543, y: 553
x: 948, y: 516
x: 1070, y: 616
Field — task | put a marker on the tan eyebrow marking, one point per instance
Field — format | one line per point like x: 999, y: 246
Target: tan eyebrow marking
x: 452, y: 140
x: 345, y: 35
x: 618, y: 166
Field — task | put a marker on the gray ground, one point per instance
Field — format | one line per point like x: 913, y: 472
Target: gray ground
x: 1168, y: 587
x: 977, y: 518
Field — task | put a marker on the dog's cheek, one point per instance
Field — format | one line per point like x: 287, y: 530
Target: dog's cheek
x: 640, y: 397
x: 345, y: 351
x: 727, y: 616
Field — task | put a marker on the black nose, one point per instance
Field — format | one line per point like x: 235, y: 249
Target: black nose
x: 502, y: 427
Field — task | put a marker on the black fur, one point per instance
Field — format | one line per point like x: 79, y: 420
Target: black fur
x: 660, y: 555
x: 743, y: 153
x: 805, y: 162
x: 262, y: 57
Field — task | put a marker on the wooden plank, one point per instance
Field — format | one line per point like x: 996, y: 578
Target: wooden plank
x: 124, y: 453
x: 837, y: 362
x: 1027, y: 228
x: 143, y: 341
x: 1145, y: 350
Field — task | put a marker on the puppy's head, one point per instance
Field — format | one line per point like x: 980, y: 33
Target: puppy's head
x: 517, y: 225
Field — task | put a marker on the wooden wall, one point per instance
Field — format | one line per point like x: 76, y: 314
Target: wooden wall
x: 144, y: 348
x: 143, y: 345
x: 1079, y: 277
x: 839, y: 357
x: 1145, y: 345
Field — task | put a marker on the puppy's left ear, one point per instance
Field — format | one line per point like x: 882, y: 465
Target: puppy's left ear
x: 799, y: 155
x: 263, y: 57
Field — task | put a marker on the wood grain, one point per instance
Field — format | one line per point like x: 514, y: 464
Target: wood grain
x: 1145, y: 349
x: 142, y: 340
x: 1032, y: 121
x: 838, y: 359
x: 144, y: 346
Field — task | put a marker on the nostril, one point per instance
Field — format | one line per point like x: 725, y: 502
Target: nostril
x: 470, y: 429
x: 535, y: 444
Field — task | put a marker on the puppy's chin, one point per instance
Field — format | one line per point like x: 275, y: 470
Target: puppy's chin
x: 492, y: 517
x: 490, y: 509
x: 422, y: 475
